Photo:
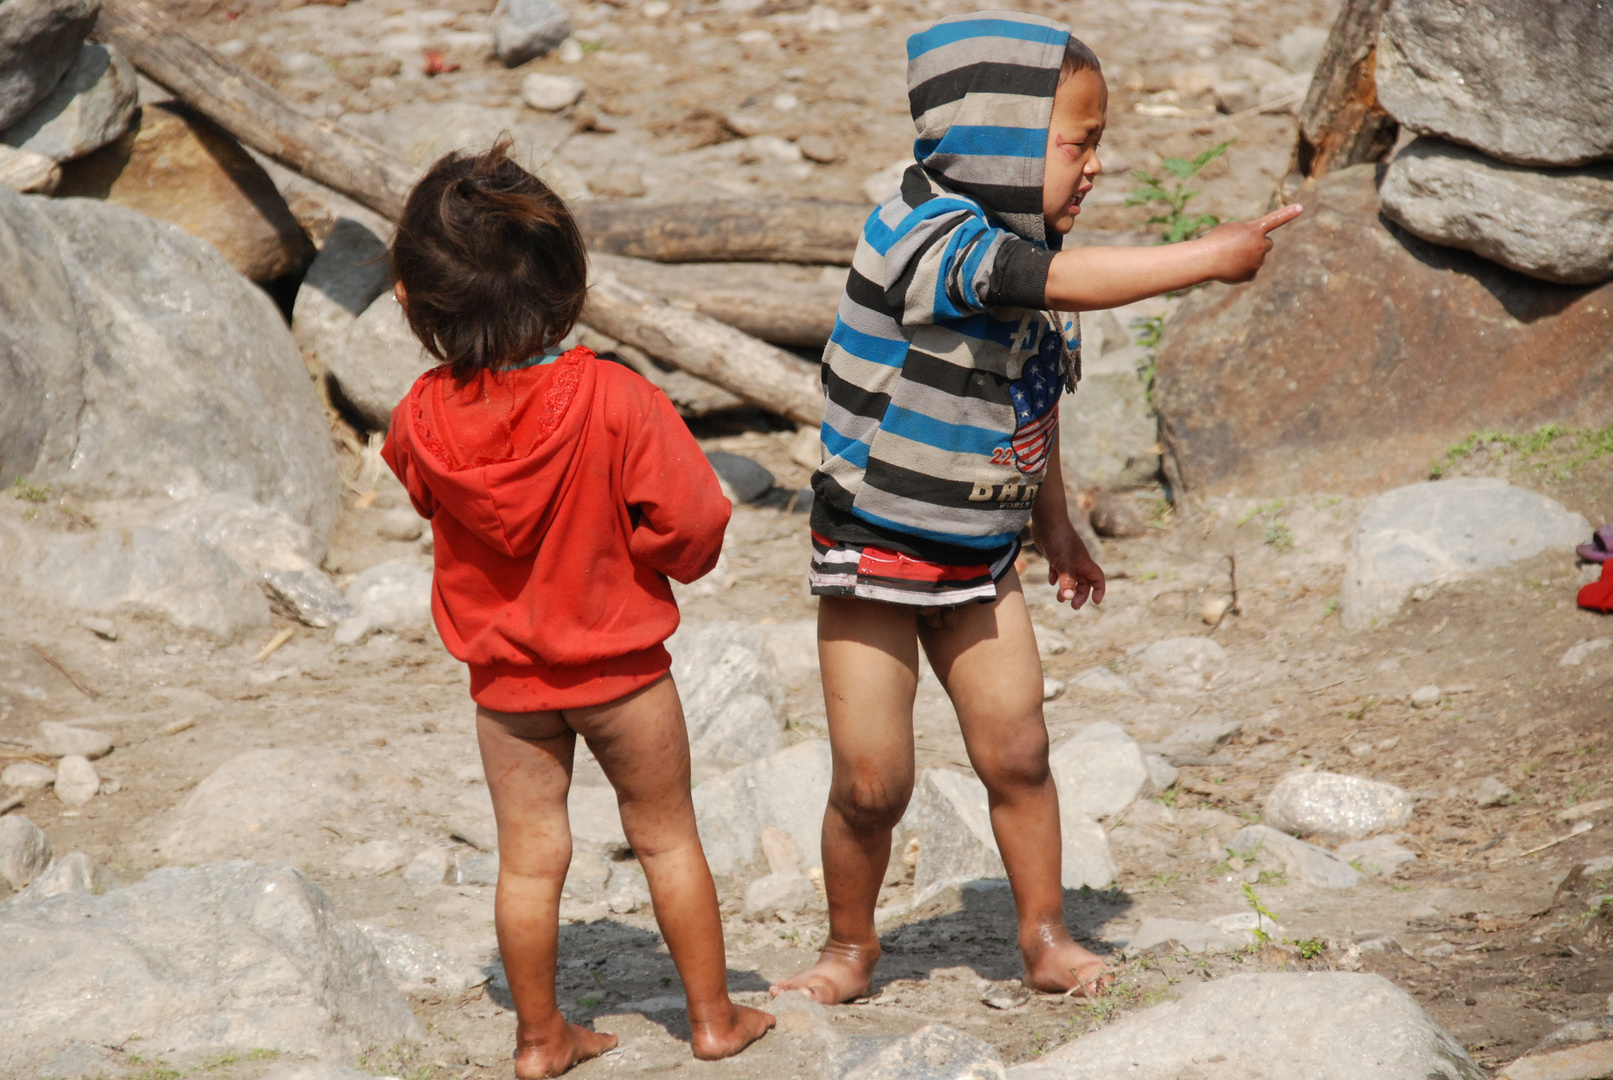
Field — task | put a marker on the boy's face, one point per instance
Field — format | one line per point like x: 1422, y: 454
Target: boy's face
x: 1080, y: 110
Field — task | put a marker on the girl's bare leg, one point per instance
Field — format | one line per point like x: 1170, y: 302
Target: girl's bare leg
x: 527, y: 757
x: 988, y: 663
x: 643, y: 746
x: 869, y: 655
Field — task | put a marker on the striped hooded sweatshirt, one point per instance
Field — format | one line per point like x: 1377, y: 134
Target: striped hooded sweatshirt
x: 943, y: 374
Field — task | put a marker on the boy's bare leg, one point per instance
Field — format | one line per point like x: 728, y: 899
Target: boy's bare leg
x: 643, y: 746
x: 527, y: 757
x: 988, y: 663
x: 869, y: 655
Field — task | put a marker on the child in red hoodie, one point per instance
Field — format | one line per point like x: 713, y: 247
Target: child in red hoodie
x: 562, y: 491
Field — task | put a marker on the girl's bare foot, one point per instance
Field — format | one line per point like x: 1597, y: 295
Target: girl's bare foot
x: 553, y: 1052
x: 714, y: 1039
x: 1063, y: 967
x: 843, y: 973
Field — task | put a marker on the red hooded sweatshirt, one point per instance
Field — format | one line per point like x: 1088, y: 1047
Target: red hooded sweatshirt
x: 561, y: 497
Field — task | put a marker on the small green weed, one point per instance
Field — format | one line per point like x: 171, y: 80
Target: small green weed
x: 592, y: 46
x: 1271, y: 506
x: 1279, y: 535
x: 1262, y: 913
x: 36, y: 493
x: 1273, y: 877
x: 1168, y: 797
x: 1331, y: 500
x: 1332, y: 607
x: 1179, y: 223
x: 1356, y: 714
x: 1309, y: 948
x: 588, y: 1001
x: 1147, y: 332
x: 1553, y: 449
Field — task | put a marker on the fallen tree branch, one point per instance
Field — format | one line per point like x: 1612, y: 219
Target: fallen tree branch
x: 729, y: 358
x: 787, y: 305
x: 253, y: 111
x: 735, y: 230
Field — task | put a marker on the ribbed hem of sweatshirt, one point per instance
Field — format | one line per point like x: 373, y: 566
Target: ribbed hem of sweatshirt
x: 1019, y: 278
x: 541, y: 688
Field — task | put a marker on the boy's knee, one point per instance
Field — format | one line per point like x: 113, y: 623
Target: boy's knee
x: 1020, y: 764
x: 871, y: 802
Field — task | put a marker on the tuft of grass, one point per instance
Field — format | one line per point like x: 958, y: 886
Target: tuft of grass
x: 35, y: 493
x: 1279, y: 535
x: 1332, y: 607
x: 1273, y: 877
x: 1309, y: 948
x: 1271, y: 506
x: 1553, y: 449
x: 1180, y: 223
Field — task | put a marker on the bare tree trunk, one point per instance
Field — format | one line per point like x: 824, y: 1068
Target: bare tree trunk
x: 1341, y: 122
x: 772, y: 378
x: 735, y: 230
x: 253, y: 111
x: 787, y: 305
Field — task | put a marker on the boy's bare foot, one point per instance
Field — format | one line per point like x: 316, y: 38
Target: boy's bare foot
x: 843, y: 973
x: 553, y: 1052
x: 1066, y: 968
x: 714, y: 1039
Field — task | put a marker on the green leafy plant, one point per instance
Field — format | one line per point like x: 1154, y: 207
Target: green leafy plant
x: 1147, y: 332
x: 1179, y: 223
x: 1262, y: 913
x: 1309, y: 948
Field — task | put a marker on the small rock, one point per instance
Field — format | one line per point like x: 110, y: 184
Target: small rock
x: 1336, y: 805
x: 377, y: 857
x: 1050, y: 642
x: 1576, y: 655
x: 1195, y: 937
x: 628, y: 891
x: 586, y: 877
x: 344, y: 279
x: 1104, y: 681
x: 884, y: 183
x: 732, y: 692
x: 434, y: 866
x: 1590, y: 1061
x: 1183, y: 662
x: 479, y: 869
x: 1425, y: 697
x: 1195, y: 741
x: 551, y: 93
x: 1100, y: 771
x: 25, y: 850
x: 90, y: 107
x: 748, y: 480
x: 1578, y: 1032
x: 393, y: 596
x: 933, y: 1052
x: 104, y: 628
x: 306, y: 595
x: 524, y: 29
x: 75, y: 872
x: 1109, y: 434
x: 1005, y: 996
x: 787, y: 790
x: 39, y: 41
x: 1492, y: 792
x: 28, y: 173
x: 1301, y: 48
x: 570, y: 51
x: 60, y: 740
x: 1051, y: 687
x: 1236, y: 95
x: 798, y: 1014
x: 28, y: 776
x: 76, y: 780
x: 1161, y: 773
x: 788, y: 892
x: 1303, y: 862
x: 1381, y: 856
x: 401, y: 525
x: 419, y: 967
x: 819, y: 148
x: 376, y: 360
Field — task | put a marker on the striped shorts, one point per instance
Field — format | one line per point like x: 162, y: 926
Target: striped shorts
x: 875, y: 573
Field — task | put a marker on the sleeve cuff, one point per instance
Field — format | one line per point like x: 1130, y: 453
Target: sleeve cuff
x: 1019, y: 276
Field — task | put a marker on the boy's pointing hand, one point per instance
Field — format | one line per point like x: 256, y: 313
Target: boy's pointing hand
x: 1242, y: 246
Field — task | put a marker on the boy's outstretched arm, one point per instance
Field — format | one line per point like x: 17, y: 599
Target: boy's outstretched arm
x: 1092, y: 278
x: 1070, y: 568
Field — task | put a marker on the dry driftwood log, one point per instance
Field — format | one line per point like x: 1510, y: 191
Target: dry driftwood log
x: 253, y: 111
x: 1341, y: 122
x: 736, y: 230
x: 787, y: 305
x: 756, y: 371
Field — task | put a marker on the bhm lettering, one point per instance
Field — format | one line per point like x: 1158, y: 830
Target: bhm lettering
x: 1011, y: 492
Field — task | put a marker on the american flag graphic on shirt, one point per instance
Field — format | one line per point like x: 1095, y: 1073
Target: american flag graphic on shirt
x: 1036, y: 395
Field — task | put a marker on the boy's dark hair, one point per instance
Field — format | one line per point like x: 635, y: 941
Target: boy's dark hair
x: 491, y: 261
x: 1078, y: 57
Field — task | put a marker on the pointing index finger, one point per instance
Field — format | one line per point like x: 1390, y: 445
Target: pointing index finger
x: 1278, y: 218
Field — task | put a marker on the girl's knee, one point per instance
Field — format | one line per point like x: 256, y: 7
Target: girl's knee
x: 870, y: 802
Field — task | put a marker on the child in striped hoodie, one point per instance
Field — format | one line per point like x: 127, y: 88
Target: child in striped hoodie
x: 940, y: 440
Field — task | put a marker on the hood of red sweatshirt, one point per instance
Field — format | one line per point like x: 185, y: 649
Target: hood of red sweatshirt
x: 499, y: 451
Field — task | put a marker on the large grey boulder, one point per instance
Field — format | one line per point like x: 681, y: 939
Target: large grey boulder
x: 88, y: 109
x: 1350, y: 807
x: 1329, y: 1025
x: 732, y: 693
x: 1522, y: 81
x: 134, y: 362
x: 376, y: 361
x: 525, y: 29
x: 1431, y: 533
x: 39, y: 41
x: 1549, y: 224
x: 1305, y: 863
x: 344, y: 279
x: 951, y: 820
x: 222, y: 957
x: 788, y: 790
x: 24, y: 850
x: 1108, y: 433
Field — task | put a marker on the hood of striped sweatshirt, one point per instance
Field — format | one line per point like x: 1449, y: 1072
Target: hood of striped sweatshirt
x: 981, y: 89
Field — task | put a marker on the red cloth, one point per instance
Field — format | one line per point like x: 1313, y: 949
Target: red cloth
x: 1598, y: 595
x: 561, y: 497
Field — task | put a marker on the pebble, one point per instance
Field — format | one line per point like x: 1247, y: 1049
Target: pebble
x: 76, y: 780
x: 1104, y: 681
x: 404, y: 525
x: 1589, y: 1061
x: 28, y: 776
x: 1051, y: 642
x: 25, y: 850
x: 61, y: 740
x: 1381, y: 856
x: 1492, y: 792
x: 434, y: 866
x: 377, y: 857
x: 1334, y: 804
x: 551, y: 93
x: 787, y: 892
x: 570, y: 51
x: 105, y: 628
x: 479, y: 869
x: 1425, y: 697
x: 819, y: 148
x: 1051, y: 688
x: 1576, y: 655
x: 1006, y: 996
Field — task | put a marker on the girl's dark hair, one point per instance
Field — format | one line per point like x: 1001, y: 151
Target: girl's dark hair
x: 491, y: 261
x: 1078, y: 57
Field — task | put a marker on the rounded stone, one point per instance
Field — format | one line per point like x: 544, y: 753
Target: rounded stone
x: 1336, y: 805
